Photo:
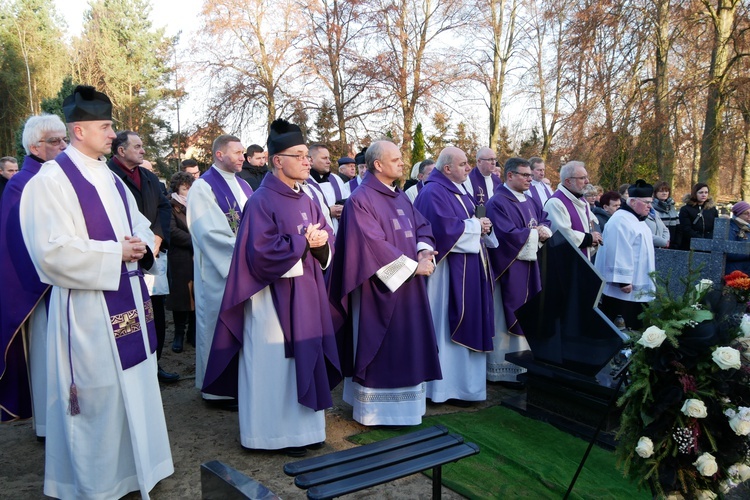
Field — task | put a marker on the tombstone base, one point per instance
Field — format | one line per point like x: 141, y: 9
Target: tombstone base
x: 570, y: 401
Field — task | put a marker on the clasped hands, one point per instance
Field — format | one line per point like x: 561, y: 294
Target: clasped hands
x: 426, y: 262
x: 315, y: 237
x: 133, y: 249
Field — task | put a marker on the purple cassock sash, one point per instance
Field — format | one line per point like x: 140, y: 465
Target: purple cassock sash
x: 268, y: 244
x: 470, y: 306
x: 534, y: 192
x: 20, y: 294
x: 123, y: 314
x: 334, y: 185
x: 224, y: 196
x: 354, y: 183
x: 478, y: 184
x: 575, y: 219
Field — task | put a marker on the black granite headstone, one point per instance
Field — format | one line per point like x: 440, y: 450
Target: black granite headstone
x: 221, y: 482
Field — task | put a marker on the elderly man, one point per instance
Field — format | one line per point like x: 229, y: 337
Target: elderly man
x: 538, y: 189
x: 347, y: 168
x: 106, y: 433
x: 521, y: 226
x: 127, y: 157
x: 254, y: 166
x: 332, y: 188
x: 628, y: 257
x: 8, y: 168
x: 377, y: 288
x: 460, y: 291
x: 568, y: 211
x: 425, y: 168
x: 275, y: 326
x: 23, y: 312
x: 214, y: 208
x: 482, y: 182
x: 359, y: 160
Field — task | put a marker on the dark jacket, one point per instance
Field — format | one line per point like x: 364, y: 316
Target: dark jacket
x: 697, y: 221
x: 151, y: 202
x: 602, y: 216
x: 180, y: 261
x: 253, y: 175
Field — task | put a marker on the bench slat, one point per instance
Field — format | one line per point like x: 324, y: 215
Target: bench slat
x: 339, y: 457
x: 381, y: 460
x: 393, y: 472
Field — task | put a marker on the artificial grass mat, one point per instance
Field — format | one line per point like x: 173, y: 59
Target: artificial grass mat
x: 521, y: 458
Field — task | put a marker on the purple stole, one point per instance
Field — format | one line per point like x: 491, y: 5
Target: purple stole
x: 478, y: 184
x: 336, y: 189
x: 354, y: 183
x: 575, y: 219
x: 123, y: 314
x: 224, y: 196
x: 534, y: 193
x: 21, y: 292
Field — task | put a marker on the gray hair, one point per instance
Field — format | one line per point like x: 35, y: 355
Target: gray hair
x: 569, y: 169
x: 375, y: 152
x: 446, y: 158
x: 38, y: 125
x: 589, y: 190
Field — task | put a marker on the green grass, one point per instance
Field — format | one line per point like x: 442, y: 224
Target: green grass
x: 522, y: 458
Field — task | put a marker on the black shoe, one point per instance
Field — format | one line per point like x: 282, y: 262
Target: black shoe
x: 223, y: 404
x: 177, y: 344
x: 167, y: 377
x: 41, y: 439
x: 316, y: 446
x: 460, y: 403
x: 295, y: 451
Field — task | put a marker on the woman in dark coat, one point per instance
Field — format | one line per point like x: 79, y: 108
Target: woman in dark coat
x: 697, y: 216
x: 180, y: 300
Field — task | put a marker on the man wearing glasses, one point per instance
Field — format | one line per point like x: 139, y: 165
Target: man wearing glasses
x: 482, y: 182
x: 568, y: 211
x: 21, y: 310
x: 628, y: 258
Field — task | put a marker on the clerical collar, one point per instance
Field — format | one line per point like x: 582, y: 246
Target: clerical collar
x: 36, y: 158
x: 518, y: 194
x: 627, y: 208
x: 579, y: 196
x: 226, y: 175
x: 318, y: 177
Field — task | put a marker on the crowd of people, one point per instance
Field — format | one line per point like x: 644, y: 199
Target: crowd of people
x: 287, y: 278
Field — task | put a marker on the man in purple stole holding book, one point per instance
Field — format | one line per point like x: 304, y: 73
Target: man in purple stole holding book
x: 106, y: 433
x: 23, y: 297
x: 377, y: 288
x: 274, y: 347
x: 521, y: 226
x: 460, y: 291
x: 214, y: 207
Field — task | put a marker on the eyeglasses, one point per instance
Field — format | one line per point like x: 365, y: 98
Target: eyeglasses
x: 297, y: 157
x: 645, y: 202
x: 525, y: 176
x: 493, y: 160
x: 55, y: 141
x: 580, y: 177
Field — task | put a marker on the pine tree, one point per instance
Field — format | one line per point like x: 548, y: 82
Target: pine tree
x: 418, y: 150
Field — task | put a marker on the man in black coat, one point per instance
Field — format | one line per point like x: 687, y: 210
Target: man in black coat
x: 127, y: 156
x: 254, y: 167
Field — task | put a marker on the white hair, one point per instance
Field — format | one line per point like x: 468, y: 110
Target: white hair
x: 38, y: 125
x: 569, y: 169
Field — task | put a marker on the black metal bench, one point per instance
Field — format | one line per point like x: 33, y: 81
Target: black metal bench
x: 342, y: 472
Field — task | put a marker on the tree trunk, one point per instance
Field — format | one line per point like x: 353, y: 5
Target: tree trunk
x: 664, y: 147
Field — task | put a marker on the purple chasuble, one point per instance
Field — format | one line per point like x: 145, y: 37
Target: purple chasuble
x: 575, y: 219
x: 480, y: 186
x: 396, y: 344
x: 270, y: 241
x: 224, y: 196
x: 471, y: 315
x: 20, y: 293
x: 123, y: 313
x: 354, y: 183
x: 513, y: 221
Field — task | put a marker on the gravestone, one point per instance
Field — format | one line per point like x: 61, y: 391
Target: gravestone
x: 221, y: 482
x: 568, y: 377
x: 708, y: 255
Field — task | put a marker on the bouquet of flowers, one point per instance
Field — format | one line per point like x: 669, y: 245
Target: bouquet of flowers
x: 686, y: 410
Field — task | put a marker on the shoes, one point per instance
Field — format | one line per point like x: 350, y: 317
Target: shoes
x: 177, y: 343
x: 295, y: 451
x: 316, y: 446
x: 41, y: 439
x: 166, y: 377
x: 223, y: 404
x: 460, y: 403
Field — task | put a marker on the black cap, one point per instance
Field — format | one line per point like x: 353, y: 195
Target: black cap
x: 85, y: 104
x: 283, y: 135
x: 359, y: 159
x: 641, y: 189
x: 345, y: 160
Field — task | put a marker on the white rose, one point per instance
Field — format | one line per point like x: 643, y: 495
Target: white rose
x: 645, y: 447
x: 694, y: 408
x: 652, y: 337
x: 726, y: 358
x: 706, y: 464
x: 743, y: 471
x: 730, y: 413
x: 704, y: 285
x: 745, y: 325
x: 744, y: 412
x: 739, y: 426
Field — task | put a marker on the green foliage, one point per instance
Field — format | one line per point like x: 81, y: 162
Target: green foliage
x: 53, y: 105
x: 531, y: 146
x: 325, y: 124
x: 418, y: 149
x: 439, y: 140
x: 467, y: 141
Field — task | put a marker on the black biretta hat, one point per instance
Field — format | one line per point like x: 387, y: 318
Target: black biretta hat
x: 359, y: 159
x: 283, y: 135
x: 85, y: 104
x: 641, y: 189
